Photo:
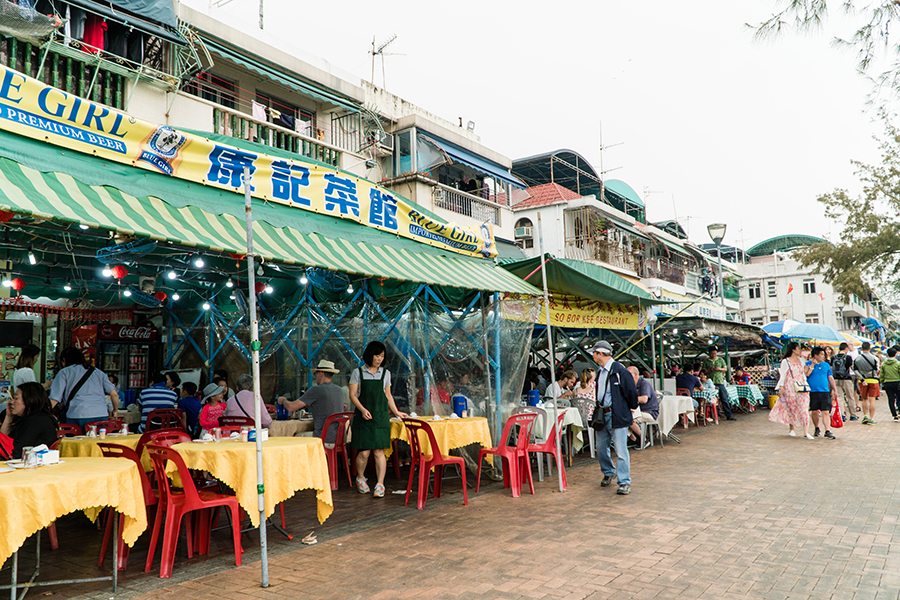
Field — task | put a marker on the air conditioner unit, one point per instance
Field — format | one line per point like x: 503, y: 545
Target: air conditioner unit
x: 524, y: 232
x: 386, y: 141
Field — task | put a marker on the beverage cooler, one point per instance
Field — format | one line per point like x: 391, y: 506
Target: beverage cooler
x: 132, y: 353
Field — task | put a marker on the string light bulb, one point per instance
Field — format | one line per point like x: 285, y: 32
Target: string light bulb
x: 350, y: 289
x: 127, y: 293
x: 176, y: 297
x: 7, y: 282
x: 303, y: 279
x: 199, y: 263
x: 171, y: 275
x: 206, y: 306
x: 67, y: 287
x: 106, y: 272
x: 269, y: 289
x: 83, y: 227
x: 229, y: 283
x: 32, y: 259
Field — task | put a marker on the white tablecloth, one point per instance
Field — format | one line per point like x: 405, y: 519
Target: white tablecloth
x: 670, y: 410
x: 571, y: 418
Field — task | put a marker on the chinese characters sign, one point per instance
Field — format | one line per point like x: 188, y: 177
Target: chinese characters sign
x: 30, y: 108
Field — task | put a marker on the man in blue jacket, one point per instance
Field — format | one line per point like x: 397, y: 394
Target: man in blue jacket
x: 617, y: 396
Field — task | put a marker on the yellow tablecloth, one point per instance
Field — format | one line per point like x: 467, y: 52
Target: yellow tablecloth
x: 85, y: 446
x: 290, y: 427
x: 289, y: 464
x: 449, y: 433
x: 31, y: 499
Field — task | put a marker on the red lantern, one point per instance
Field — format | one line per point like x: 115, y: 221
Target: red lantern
x: 17, y: 284
x: 161, y: 296
x: 260, y: 287
x: 119, y: 272
x: 6, y: 216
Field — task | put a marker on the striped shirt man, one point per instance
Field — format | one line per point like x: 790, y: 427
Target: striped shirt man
x: 155, y: 397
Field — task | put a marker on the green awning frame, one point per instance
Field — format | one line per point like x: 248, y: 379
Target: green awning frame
x: 581, y: 278
x: 48, y: 182
x: 258, y: 66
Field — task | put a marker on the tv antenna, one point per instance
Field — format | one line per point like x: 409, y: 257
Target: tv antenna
x: 379, y: 50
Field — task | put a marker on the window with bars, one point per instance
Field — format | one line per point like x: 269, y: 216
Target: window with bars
x: 771, y: 289
x: 214, y: 89
x: 754, y: 290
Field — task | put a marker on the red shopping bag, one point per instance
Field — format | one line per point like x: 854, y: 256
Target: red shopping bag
x: 836, y: 421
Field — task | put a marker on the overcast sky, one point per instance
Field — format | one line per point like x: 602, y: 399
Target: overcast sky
x: 713, y: 124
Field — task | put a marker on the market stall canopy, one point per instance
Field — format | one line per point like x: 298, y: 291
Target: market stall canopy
x: 48, y: 182
x: 717, y: 330
x: 582, y: 279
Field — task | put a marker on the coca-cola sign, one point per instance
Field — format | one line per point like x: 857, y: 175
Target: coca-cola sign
x: 129, y: 333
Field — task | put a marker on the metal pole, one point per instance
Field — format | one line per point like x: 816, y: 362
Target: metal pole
x: 721, y: 280
x: 257, y: 393
x: 653, y: 354
x: 552, y: 352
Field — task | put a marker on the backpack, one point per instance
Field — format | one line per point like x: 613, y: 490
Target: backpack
x: 841, y: 368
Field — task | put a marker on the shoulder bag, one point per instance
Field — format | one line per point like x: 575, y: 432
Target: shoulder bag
x: 63, y: 406
x: 598, y: 421
x: 800, y: 387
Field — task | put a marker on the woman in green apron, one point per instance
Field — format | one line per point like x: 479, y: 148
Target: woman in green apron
x: 370, y: 393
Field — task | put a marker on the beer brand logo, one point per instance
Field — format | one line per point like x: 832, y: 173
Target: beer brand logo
x: 164, y: 145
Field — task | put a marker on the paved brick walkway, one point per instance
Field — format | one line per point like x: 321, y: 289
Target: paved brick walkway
x: 736, y: 511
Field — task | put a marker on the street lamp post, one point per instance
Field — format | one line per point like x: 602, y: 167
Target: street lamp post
x: 717, y: 233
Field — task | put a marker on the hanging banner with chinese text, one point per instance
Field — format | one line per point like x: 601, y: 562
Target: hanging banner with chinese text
x: 33, y: 109
x: 577, y: 313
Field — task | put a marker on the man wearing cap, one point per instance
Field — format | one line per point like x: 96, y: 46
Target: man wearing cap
x: 322, y: 400
x: 616, y: 397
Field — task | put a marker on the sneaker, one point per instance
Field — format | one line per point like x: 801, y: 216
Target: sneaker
x: 809, y: 436
x: 865, y: 420
x: 843, y: 418
x: 792, y: 433
x: 361, y: 486
x: 897, y: 418
x: 379, y: 491
x: 854, y: 418
x: 607, y: 481
x: 817, y: 433
x: 829, y: 435
x: 872, y: 421
x: 624, y: 489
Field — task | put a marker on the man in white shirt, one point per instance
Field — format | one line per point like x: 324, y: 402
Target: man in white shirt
x: 561, y: 389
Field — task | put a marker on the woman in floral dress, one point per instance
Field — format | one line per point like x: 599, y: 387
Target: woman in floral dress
x: 792, y: 408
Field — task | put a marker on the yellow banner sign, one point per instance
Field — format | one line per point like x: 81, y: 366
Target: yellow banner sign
x: 33, y: 109
x: 577, y: 313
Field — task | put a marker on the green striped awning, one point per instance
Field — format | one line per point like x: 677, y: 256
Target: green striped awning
x: 183, y: 216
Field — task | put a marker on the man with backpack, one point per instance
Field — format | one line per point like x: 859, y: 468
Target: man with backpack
x: 841, y: 366
x: 866, y: 365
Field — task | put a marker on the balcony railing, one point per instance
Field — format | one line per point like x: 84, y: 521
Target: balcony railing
x: 79, y: 73
x: 242, y: 126
x: 661, y: 268
x: 466, y: 204
x: 610, y: 253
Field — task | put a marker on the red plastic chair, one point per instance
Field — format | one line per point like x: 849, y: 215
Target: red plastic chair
x: 339, y: 449
x: 515, y: 458
x: 177, y: 503
x: 426, y: 463
x: 236, y: 420
x: 68, y: 430
x: 712, y: 412
x: 549, y: 447
x: 150, y: 499
x: 165, y: 418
